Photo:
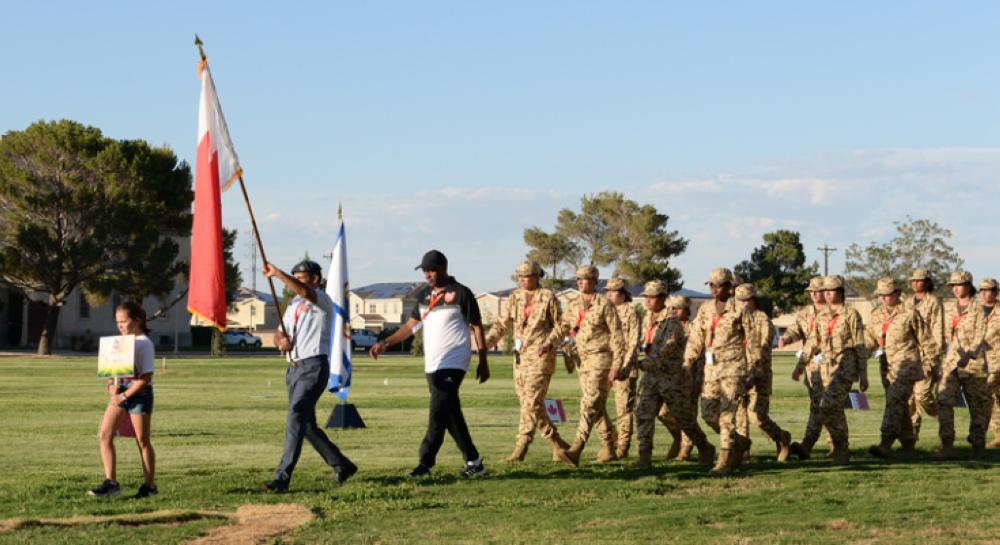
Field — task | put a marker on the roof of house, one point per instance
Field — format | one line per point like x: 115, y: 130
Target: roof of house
x: 247, y: 293
x: 387, y: 290
x: 371, y: 317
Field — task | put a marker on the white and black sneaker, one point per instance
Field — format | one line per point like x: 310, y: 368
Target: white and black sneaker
x: 474, y: 469
x: 419, y: 472
x: 108, y: 489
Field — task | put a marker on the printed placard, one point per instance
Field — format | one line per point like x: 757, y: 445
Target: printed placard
x: 116, y: 356
x: 554, y: 408
x: 857, y: 400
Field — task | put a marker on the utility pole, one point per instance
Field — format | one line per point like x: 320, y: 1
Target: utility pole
x: 827, y: 250
x: 252, y: 252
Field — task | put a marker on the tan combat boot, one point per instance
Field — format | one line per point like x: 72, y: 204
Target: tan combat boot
x: 740, y: 452
x: 606, y: 454
x: 883, y: 449
x: 721, y: 468
x: 675, y: 446
x: 558, y: 445
x: 706, y: 454
x: 947, y: 451
x: 784, y: 445
x: 520, y: 449
x: 842, y: 455
x: 621, y: 452
x: 685, y: 452
x: 571, y: 455
x: 645, y: 460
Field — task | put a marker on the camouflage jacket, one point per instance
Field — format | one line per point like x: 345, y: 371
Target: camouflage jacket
x: 842, y: 341
x: 629, y: 320
x: 724, y: 336
x: 965, y: 331
x: 989, y: 348
x: 904, y: 338
x: 932, y: 311
x: 759, y: 342
x: 666, y: 351
x: 596, y: 333
x: 536, y: 324
x: 804, y: 329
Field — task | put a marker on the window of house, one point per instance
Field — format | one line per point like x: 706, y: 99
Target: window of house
x: 371, y: 308
x: 84, y: 307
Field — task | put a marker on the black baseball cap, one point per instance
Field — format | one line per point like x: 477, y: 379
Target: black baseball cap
x: 307, y: 266
x: 432, y: 260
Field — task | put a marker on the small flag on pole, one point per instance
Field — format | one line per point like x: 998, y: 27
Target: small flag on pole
x: 554, y: 408
x: 216, y: 167
x: 340, y: 339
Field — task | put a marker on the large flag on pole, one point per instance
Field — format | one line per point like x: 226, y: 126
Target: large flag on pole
x: 340, y: 339
x: 216, y: 167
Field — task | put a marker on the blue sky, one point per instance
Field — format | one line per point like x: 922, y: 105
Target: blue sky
x: 457, y: 124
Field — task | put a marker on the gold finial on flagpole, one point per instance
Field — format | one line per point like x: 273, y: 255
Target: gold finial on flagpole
x: 201, y: 50
x: 340, y: 211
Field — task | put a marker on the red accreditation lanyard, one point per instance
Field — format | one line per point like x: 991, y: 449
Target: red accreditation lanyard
x: 885, y: 327
x: 434, y: 301
x: 812, y: 323
x: 649, y: 335
x: 830, y: 328
x: 526, y: 312
x: 955, y: 320
x: 715, y: 324
x: 581, y: 316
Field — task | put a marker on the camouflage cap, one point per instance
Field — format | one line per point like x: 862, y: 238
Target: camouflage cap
x: 920, y: 274
x: 587, y: 271
x: 679, y: 301
x: 530, y: 268
x: 654, y: 288
x: 886, y: 286
x: 614, y: 284
x: 960, y: 277
x: 745, y: 292
x: 720, y: 276
x: 834, y: 282
x: 988, y: 284
x: 815, y: 284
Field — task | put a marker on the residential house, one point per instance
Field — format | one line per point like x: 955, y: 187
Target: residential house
x: 382, y: 306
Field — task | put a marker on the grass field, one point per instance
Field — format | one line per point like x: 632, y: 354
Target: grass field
x: 218, y: 430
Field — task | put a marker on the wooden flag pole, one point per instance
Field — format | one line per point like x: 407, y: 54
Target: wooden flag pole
x: 253, y: 220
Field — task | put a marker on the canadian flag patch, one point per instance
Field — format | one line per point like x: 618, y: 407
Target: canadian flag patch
x: 554, y: 408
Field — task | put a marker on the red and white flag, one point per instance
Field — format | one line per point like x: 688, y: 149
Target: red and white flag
x: 554, y: 408
x: 216, y: 167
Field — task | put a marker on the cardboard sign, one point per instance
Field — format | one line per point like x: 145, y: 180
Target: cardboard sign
x: 554, y: 408
x: 116, y: 356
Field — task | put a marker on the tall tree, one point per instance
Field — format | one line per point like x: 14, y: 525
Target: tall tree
x: 918, y: 243
x: 78, y: 209
x: 550, y: 250
x: 778, y: 271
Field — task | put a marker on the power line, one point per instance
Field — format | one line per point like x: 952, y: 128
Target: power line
x: 827, y: 250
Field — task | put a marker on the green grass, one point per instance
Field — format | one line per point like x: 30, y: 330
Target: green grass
x: 218, y: 430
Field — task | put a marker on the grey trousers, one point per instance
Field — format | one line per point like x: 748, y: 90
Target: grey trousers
x: 306, y: 383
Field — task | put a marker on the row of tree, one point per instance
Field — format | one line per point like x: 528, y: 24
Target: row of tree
x: 82, y: 210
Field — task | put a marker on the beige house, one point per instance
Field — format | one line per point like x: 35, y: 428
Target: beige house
x: 382, y: 306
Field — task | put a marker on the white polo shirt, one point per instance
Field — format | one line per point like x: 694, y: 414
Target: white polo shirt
x: 446, y: 316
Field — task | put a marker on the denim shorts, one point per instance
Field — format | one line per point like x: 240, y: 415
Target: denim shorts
x: 138, y: 403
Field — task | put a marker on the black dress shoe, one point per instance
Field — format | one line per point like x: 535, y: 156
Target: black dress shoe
x: 346, y: 470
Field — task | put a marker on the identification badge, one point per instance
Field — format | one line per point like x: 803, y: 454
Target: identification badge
x: 820, y: 358
x: 645, y: 348
x: 799, y: 356
x: 517, y: 345
x: 878, y: 353
x: 709, y: 357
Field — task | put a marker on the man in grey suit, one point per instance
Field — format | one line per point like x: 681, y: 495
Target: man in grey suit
x: 309, y: 322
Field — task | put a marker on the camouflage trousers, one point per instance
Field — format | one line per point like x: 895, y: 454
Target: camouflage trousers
x: 759, y: 406
x: 697, y: 383
x: 995, y: 413
x: 531, y: 387
x: 660, y: 390
x: 732, y: 410
x: 710, y: 400
x: 826, y: 403
x: 594, y: 388
x: 977, y: 397
x: 896, y: 420
x: 625, y: 403
x: 815, y: 377
x: 922, y: 400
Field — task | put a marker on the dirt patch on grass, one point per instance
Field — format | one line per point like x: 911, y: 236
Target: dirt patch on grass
x: 838, y: 525
x: 250, y: 524
x: 258, y: 524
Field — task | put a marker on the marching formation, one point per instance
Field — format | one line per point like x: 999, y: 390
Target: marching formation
x: 667, y: 365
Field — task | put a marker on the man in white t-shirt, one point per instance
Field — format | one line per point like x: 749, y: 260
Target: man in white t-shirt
x: 447, y: 312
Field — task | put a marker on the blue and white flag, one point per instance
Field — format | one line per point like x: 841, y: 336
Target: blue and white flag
x: 340, y: 341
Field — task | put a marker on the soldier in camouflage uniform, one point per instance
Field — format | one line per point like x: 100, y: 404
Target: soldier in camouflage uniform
x: 534, y: 316
x: 762, y: 376
x: 596, y: 336
x: 719, y: 333
x: 625, y: 385
x: 963, y: 370
x: 901, y: 340
x: 680, y: 307
x: 804, y: 329
x: 662, y: 380
x: 990, y: 352
x: 842, y: 360
x: 932, y: 311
